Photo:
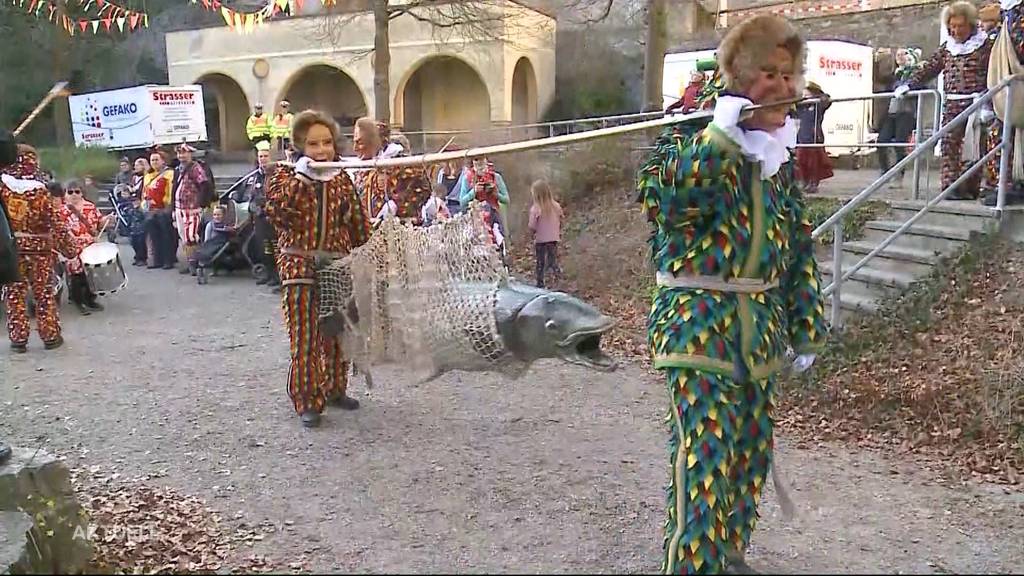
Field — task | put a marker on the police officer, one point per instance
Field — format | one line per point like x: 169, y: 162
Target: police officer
x: 257, y: 127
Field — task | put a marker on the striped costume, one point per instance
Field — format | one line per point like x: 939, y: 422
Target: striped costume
x: 716, y: 220
x: 312, y: 219
x: 410, y: 184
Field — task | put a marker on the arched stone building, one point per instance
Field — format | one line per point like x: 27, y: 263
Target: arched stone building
x: 441, y: 79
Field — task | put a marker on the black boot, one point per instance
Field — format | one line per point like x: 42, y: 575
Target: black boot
x: 5, y: 452
x: 310, y: 419
x: 19, y: 347
x: 54, y: 344
x: 344, y: 402
x: 76, y: 293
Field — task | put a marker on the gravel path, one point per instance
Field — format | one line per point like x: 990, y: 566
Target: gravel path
x: 561, y: 470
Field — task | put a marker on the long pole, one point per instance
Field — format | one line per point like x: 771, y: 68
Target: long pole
x: 57, y: 90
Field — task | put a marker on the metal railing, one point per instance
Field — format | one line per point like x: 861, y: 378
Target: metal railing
x: 835, y: 222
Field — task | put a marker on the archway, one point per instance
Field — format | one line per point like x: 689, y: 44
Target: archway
x: 443, y: 93
x: 227, y: 109
x: 326, y: 88
x: 524, y: 93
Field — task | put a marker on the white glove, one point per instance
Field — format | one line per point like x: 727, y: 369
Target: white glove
x: 902, y: 91
x: 302, y: 167
x: 803, y: 362
x: 986, y: 115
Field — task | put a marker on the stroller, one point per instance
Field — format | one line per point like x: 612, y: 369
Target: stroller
x: 239, y: 251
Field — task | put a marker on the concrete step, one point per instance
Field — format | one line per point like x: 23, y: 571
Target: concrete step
x: 937, y: 239
x: 868, y: 282
x: 851, y: 305
x: 965, y: 214
x: 910, y: 261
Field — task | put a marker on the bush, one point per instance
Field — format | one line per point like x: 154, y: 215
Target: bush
x: 820, y: 209
x: 71, y: 162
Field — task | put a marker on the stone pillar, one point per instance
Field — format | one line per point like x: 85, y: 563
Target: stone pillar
x: 43, y: 528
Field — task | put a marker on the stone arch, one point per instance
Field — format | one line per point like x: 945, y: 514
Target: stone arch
x: 442, y: 92
x: 327, y: 88
x: 524, y: 93
x: 227, y: 110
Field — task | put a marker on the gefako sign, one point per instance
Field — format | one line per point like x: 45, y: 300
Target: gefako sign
x: 139, y: 117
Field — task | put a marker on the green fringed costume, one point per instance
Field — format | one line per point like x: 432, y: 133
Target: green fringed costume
x: 743, y: 245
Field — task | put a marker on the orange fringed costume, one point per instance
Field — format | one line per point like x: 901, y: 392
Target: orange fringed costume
x: 410, y: 183
x: 314, y: 220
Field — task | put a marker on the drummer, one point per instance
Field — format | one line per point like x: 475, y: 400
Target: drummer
x: 85, y: 222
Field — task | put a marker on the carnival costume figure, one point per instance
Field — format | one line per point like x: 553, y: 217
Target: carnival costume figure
x: 737, y: 284
x: 189, y: 180
x: 38, y: 230
x: 962, y: 59
x: 318, y: 218
x: 408, y: 186
x: 1008, y: 46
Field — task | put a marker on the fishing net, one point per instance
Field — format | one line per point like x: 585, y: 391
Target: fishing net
x: 420, y: 297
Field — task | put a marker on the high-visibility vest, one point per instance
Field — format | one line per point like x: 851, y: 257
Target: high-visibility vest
x: 257, y: 126
x: 282, y: 127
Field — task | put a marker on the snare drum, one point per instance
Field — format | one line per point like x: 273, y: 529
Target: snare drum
x: 103, y: 269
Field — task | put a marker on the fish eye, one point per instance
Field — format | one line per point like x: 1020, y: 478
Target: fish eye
x: 551, y: 325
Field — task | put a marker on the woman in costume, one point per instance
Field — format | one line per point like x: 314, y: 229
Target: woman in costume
x: 84, y: 221
x: 1011, y: 26
x: 409, y: 186
x: 962, y: 59
x: 812, y: 162
x: 318, y: 218
x: 737, y: 284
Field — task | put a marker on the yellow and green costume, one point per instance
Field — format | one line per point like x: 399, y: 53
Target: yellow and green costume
x: 738, y: 283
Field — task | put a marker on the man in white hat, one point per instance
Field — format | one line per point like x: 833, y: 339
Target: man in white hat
x: 281, y: 127
x: 257, y: 127
x: 191, y: 191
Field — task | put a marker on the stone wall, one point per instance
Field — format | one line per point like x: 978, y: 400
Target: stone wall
x: 906, y: 26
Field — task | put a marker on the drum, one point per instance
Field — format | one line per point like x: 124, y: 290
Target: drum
x: 103, y: 269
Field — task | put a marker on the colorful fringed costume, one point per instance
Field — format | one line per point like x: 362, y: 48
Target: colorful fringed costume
x: 409, y: 186
x: 742, y: 245
x: 314, y: 221
x: 1012, y: 25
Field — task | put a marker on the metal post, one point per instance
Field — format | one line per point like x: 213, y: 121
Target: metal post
x: 837, y: 273
x: 1006, y: 152
x: 918, y: 135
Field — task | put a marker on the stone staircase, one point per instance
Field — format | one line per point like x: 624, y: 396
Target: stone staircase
x: 943, y: 231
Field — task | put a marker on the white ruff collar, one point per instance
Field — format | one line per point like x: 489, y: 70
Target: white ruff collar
x: 20, y: 186
x: 1009, y: 4
x: 771, y: 149
x: 963, y: 48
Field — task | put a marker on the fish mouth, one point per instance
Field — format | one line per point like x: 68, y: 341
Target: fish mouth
x: 583, y: 347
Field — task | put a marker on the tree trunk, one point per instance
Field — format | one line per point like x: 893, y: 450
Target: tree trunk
x: 381, y: 61
x: 61, y: 49
x: 654, y: 54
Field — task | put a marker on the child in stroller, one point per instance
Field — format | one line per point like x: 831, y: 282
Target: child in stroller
x: 131, y: 221
x: 224, y: 246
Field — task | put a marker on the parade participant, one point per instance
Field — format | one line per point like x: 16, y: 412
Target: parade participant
x: 281, y: 127
x: 410, y: 185
x: 84, y: 222
x: 688, y: 100
x: 1007, y: 48
x: 266, y: 237
x: 257, y: 127
x: 189, y: 181
x: 38, y: 230
x: 483, y: 183
x: 318, y: 217
x: 737, y: 283
x: 812, y: 162
x: 962, y: 59
x: 161, y: 243
x: 989, y: 17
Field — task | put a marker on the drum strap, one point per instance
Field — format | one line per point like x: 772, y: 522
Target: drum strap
x: 298, y: 281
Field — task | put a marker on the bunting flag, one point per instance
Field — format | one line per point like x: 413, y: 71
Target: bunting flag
x: 107, y: 12
x: 247, y: 22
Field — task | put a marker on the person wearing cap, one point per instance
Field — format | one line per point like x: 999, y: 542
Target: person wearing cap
x: 38, y: 230
x: 257, y: 127
x: 281, y: 128
x: 189, y: 179
x: 812, y: 162
x: 737, y: 285
x: 266, y: 238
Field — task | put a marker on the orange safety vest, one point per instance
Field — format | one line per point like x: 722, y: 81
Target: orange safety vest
x: 282, y: 126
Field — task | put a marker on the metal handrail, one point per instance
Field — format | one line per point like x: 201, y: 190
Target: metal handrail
x: 835, y: 222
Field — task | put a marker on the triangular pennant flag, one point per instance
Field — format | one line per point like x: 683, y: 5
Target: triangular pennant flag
x: 83, y: 24
x: 106, y: 23
x: 99, y: 3
x: 120, y: 23
x: 145, y: 20
x: 134, y: 20
x: 32, y: 6
x: 95, y: 26
x: 87, y: 6
x: 227, y: 16
x: 216, y: 4
x: 52, y: 10
x: 239, y: 22
x: 250, y: 22
x: 259, y: 19
x: 206, y: 4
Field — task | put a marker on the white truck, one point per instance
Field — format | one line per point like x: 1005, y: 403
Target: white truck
x: 139, y: 117
x: 842, y: 69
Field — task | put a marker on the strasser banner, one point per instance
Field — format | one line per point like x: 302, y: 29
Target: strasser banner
x: 138, y: 117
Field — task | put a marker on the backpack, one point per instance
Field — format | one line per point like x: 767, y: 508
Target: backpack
x: 208, y: 190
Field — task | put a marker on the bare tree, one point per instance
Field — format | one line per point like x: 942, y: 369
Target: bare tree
x: 654, y: 53
x: 470, y: 20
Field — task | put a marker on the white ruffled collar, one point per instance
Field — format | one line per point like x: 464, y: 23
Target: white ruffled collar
x: 20, y: 186
x: 771, y: 149
x: 1009, y: 4
x: 970, y: 45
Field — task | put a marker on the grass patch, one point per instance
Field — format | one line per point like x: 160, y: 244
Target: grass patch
x: 820, y: 209
x: 72, y: 162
